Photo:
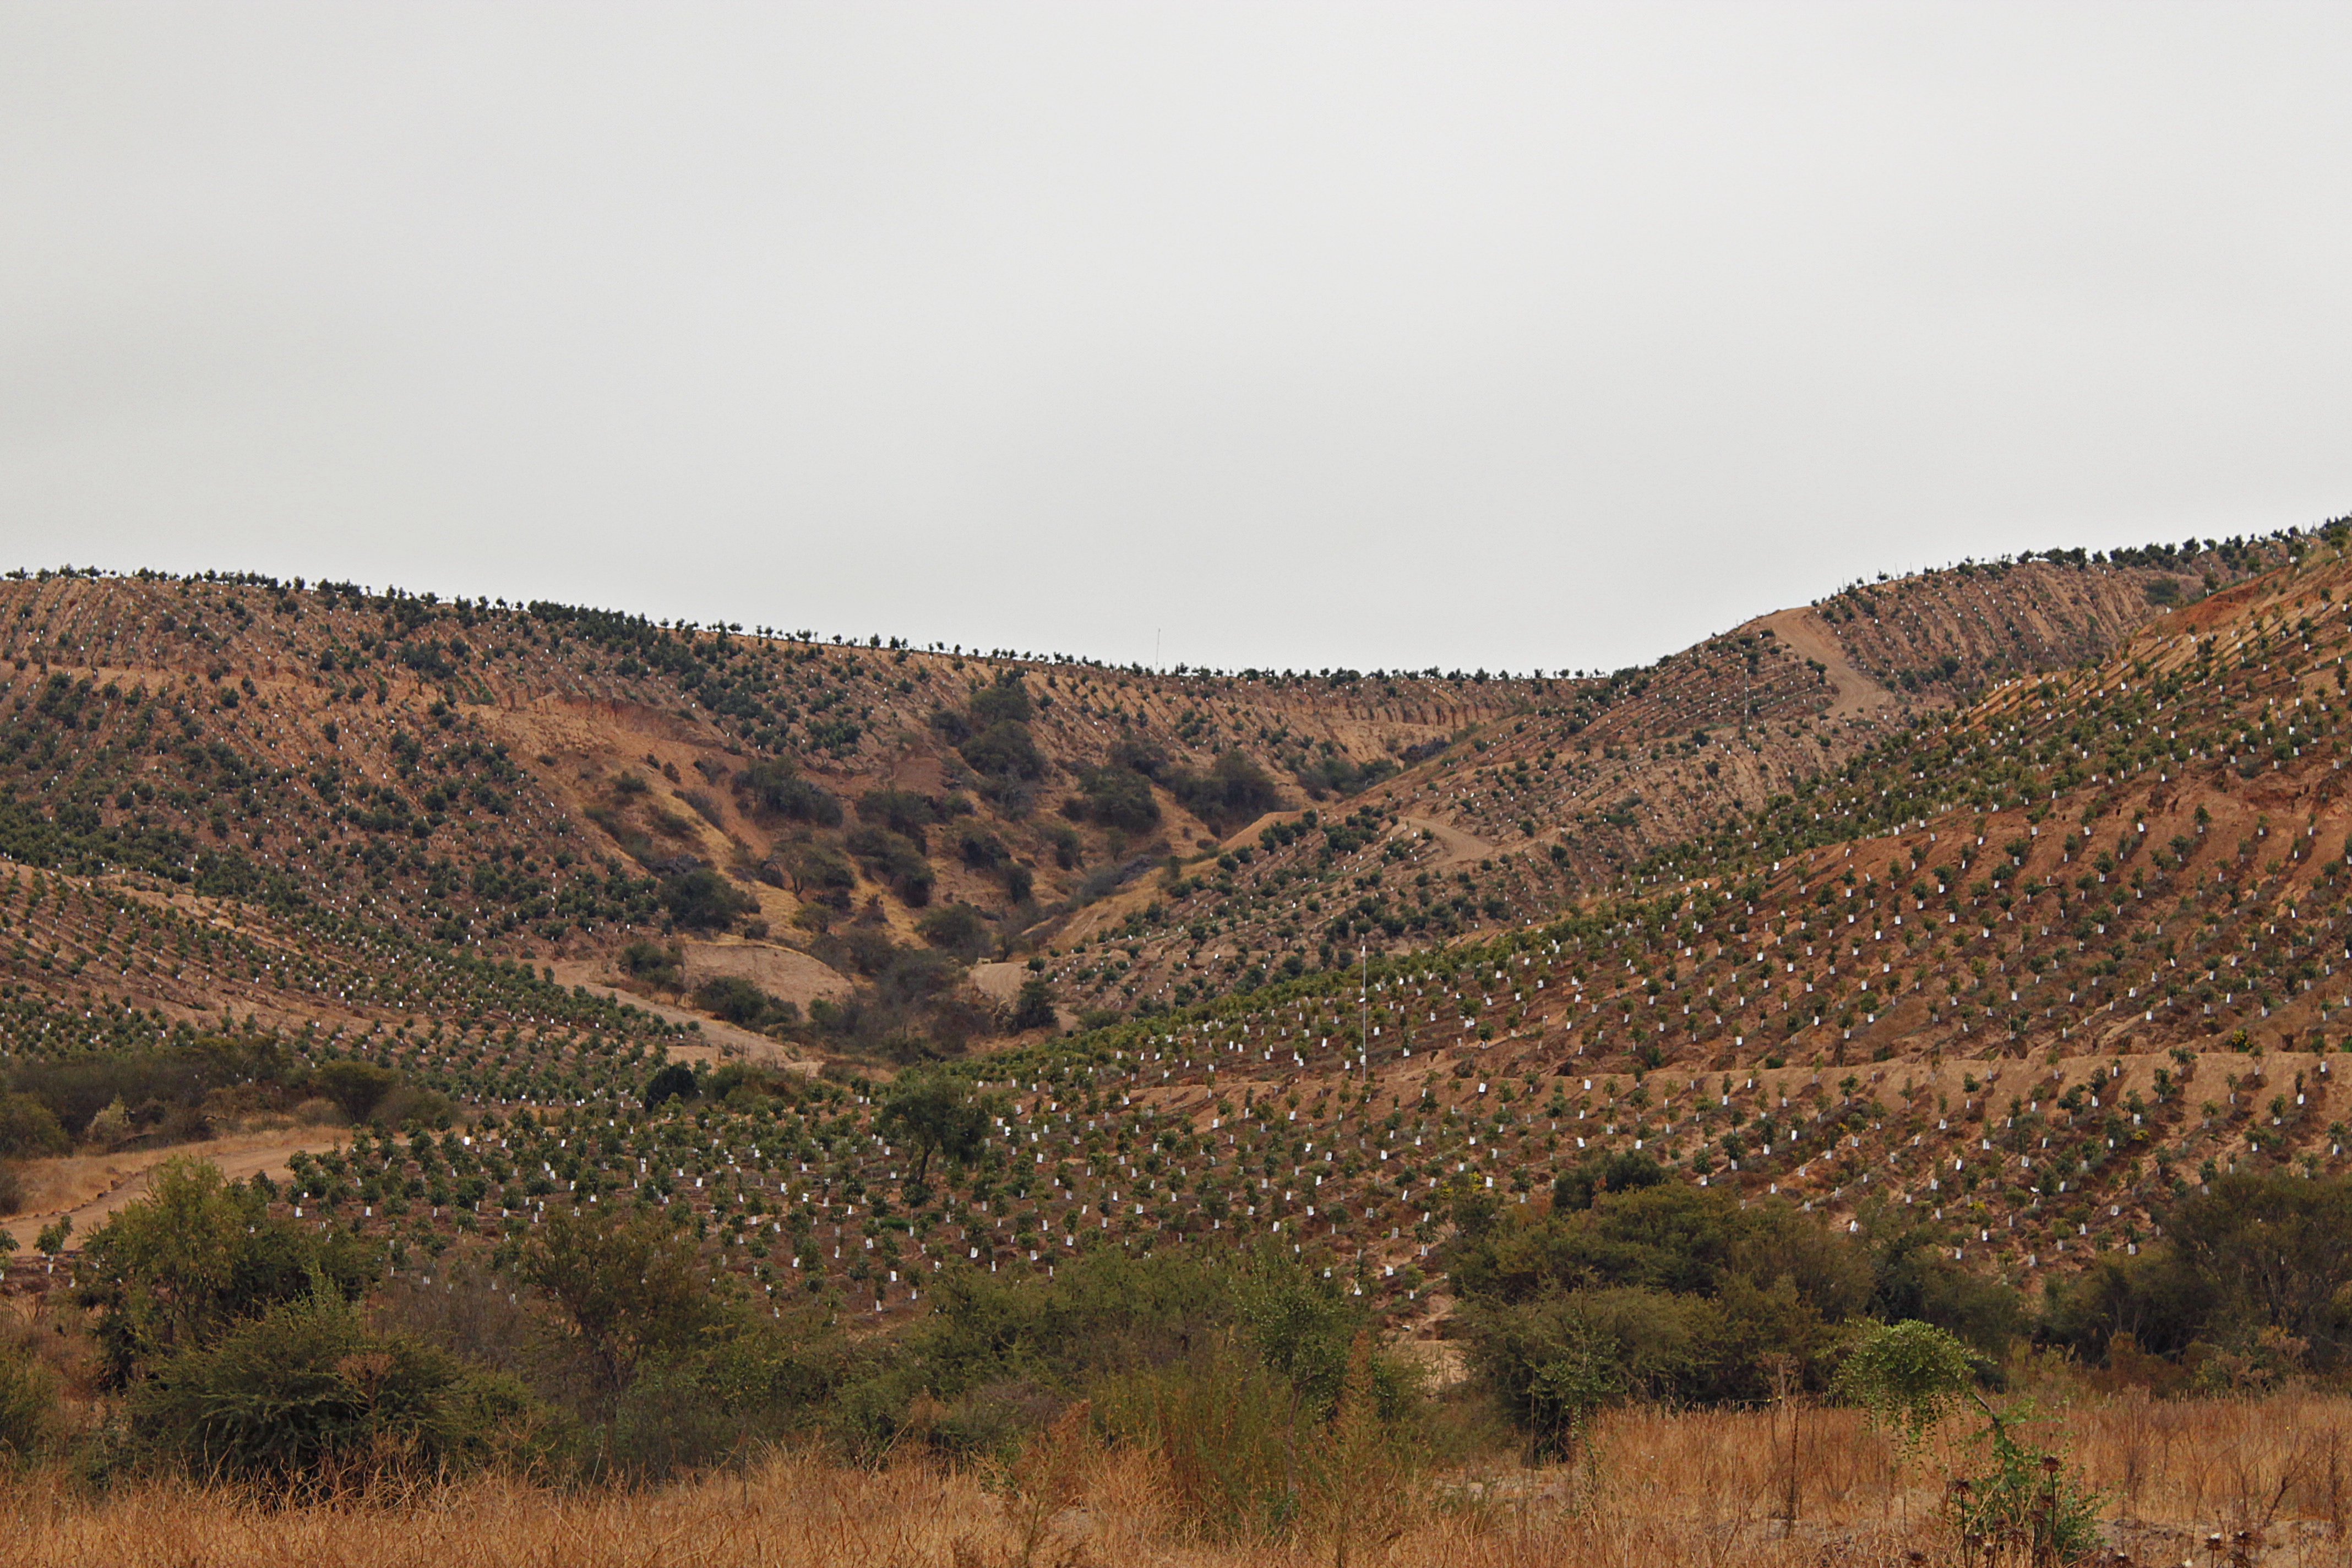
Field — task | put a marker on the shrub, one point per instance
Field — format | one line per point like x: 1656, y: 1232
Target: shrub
x: 958, y: 928
x: 1907, y: 1375
x: 1234, y: 791
x: 1033, y: 1007
x: 305, y: 1395
x: 1004, y: 750
x: 2250, y: 1253
x: 653, y: 964
x: 1118, y: 798
x: 630, y: 1290
x: 702, y: 899
x: 1625, y: 1170
x: 735, y: 999
x: 357, y: 1088
x: 675, y: 1080
x: 172, y: 1271
x: 903, y: 812
x: 28, y: 1129
x: 894, y: 859
x: 774, y: 787
x: 28, y: 1402
x: 1005, y: 702
x: 939, y: 1116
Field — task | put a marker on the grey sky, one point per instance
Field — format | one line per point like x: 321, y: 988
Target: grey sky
x: 1298, y: 335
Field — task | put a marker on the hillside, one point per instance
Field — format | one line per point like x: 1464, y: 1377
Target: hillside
x: 1523, y: 818
x: 258, y: 819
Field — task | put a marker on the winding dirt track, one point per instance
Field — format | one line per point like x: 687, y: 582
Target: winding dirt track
x: 1850, y: 691
x: 91, y: 1187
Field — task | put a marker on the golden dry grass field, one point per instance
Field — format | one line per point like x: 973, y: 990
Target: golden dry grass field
x: 2209, y: 1482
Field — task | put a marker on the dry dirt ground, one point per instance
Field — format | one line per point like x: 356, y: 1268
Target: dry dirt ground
x: 1852, y: 693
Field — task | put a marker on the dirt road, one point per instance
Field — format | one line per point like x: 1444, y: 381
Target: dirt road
x: 89, y: 1187
x: 1850, y: 691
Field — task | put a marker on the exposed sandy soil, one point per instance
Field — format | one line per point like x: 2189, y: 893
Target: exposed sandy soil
x: 780, y: 971
x: 1852, y: 693
x: 999, y: 982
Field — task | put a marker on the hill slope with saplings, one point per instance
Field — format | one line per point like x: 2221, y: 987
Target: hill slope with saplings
x: 1968, y: 934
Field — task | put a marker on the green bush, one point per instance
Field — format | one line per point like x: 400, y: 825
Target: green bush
x: 896, y: 859
x: 1004, y: 750
x: 357, y: 1088
x: 1005, y: 702
x: 1687, y: 1290
x: 675, y: 1080
x: 2250, y: 1254
x: 959, y: 929
x: 702, y: 899
x: 172, y: 1271
x: 735, y: 999
x: 305, y: 1395
x: 773, y: 786
x: 1033, y: 1007
x: 1120, y: 798
x: 652, y: 962
x: 1233, y: 791
x: 903, y: 812
x: 28, y: 1129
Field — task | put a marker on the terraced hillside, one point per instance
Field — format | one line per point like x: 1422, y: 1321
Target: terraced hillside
x: 554, y: 783
x: 1527, y: 814
x: 2017, y: 972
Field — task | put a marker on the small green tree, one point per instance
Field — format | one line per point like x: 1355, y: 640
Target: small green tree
x: 52, y: 1235
x: 631, y: 1290
x: 1908, y: 1376
x: 939, y: 1116
x: 1033, y: 1007
x: 173, y: 1270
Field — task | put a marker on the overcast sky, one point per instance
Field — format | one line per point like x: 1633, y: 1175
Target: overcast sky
x: 1265, y: 334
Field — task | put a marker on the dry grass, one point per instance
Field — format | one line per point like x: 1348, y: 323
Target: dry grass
x: 1658, y: 1488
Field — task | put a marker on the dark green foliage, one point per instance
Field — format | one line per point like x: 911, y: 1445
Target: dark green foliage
x: 28, y: 1401
x: 357, y: 1088
x: 1233, y: 791
x: 813, y: 868
x: 2250, y: 1254
x: 652, y: 962
x: 172, y: 1271
x: 957, y: 928
x: 1118, y: 798
x: 735, y: 999
x: 630, y: 1291
x: 676, y: 1080
x: 305, y: 1395
x: 939, y: 1116
x: 773, y: 786
x: 1685, y: 1288
x: 896, y: 859
x: 28, y: 1129
x: 901, y: 811
x: 1004, y: 752
x: 1914, y: 1276
x: 702, y: 899
x: 1033, y: 1007
x: 1005, y: 703
x: 164, y: 1089
x: 1625, y: 1170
